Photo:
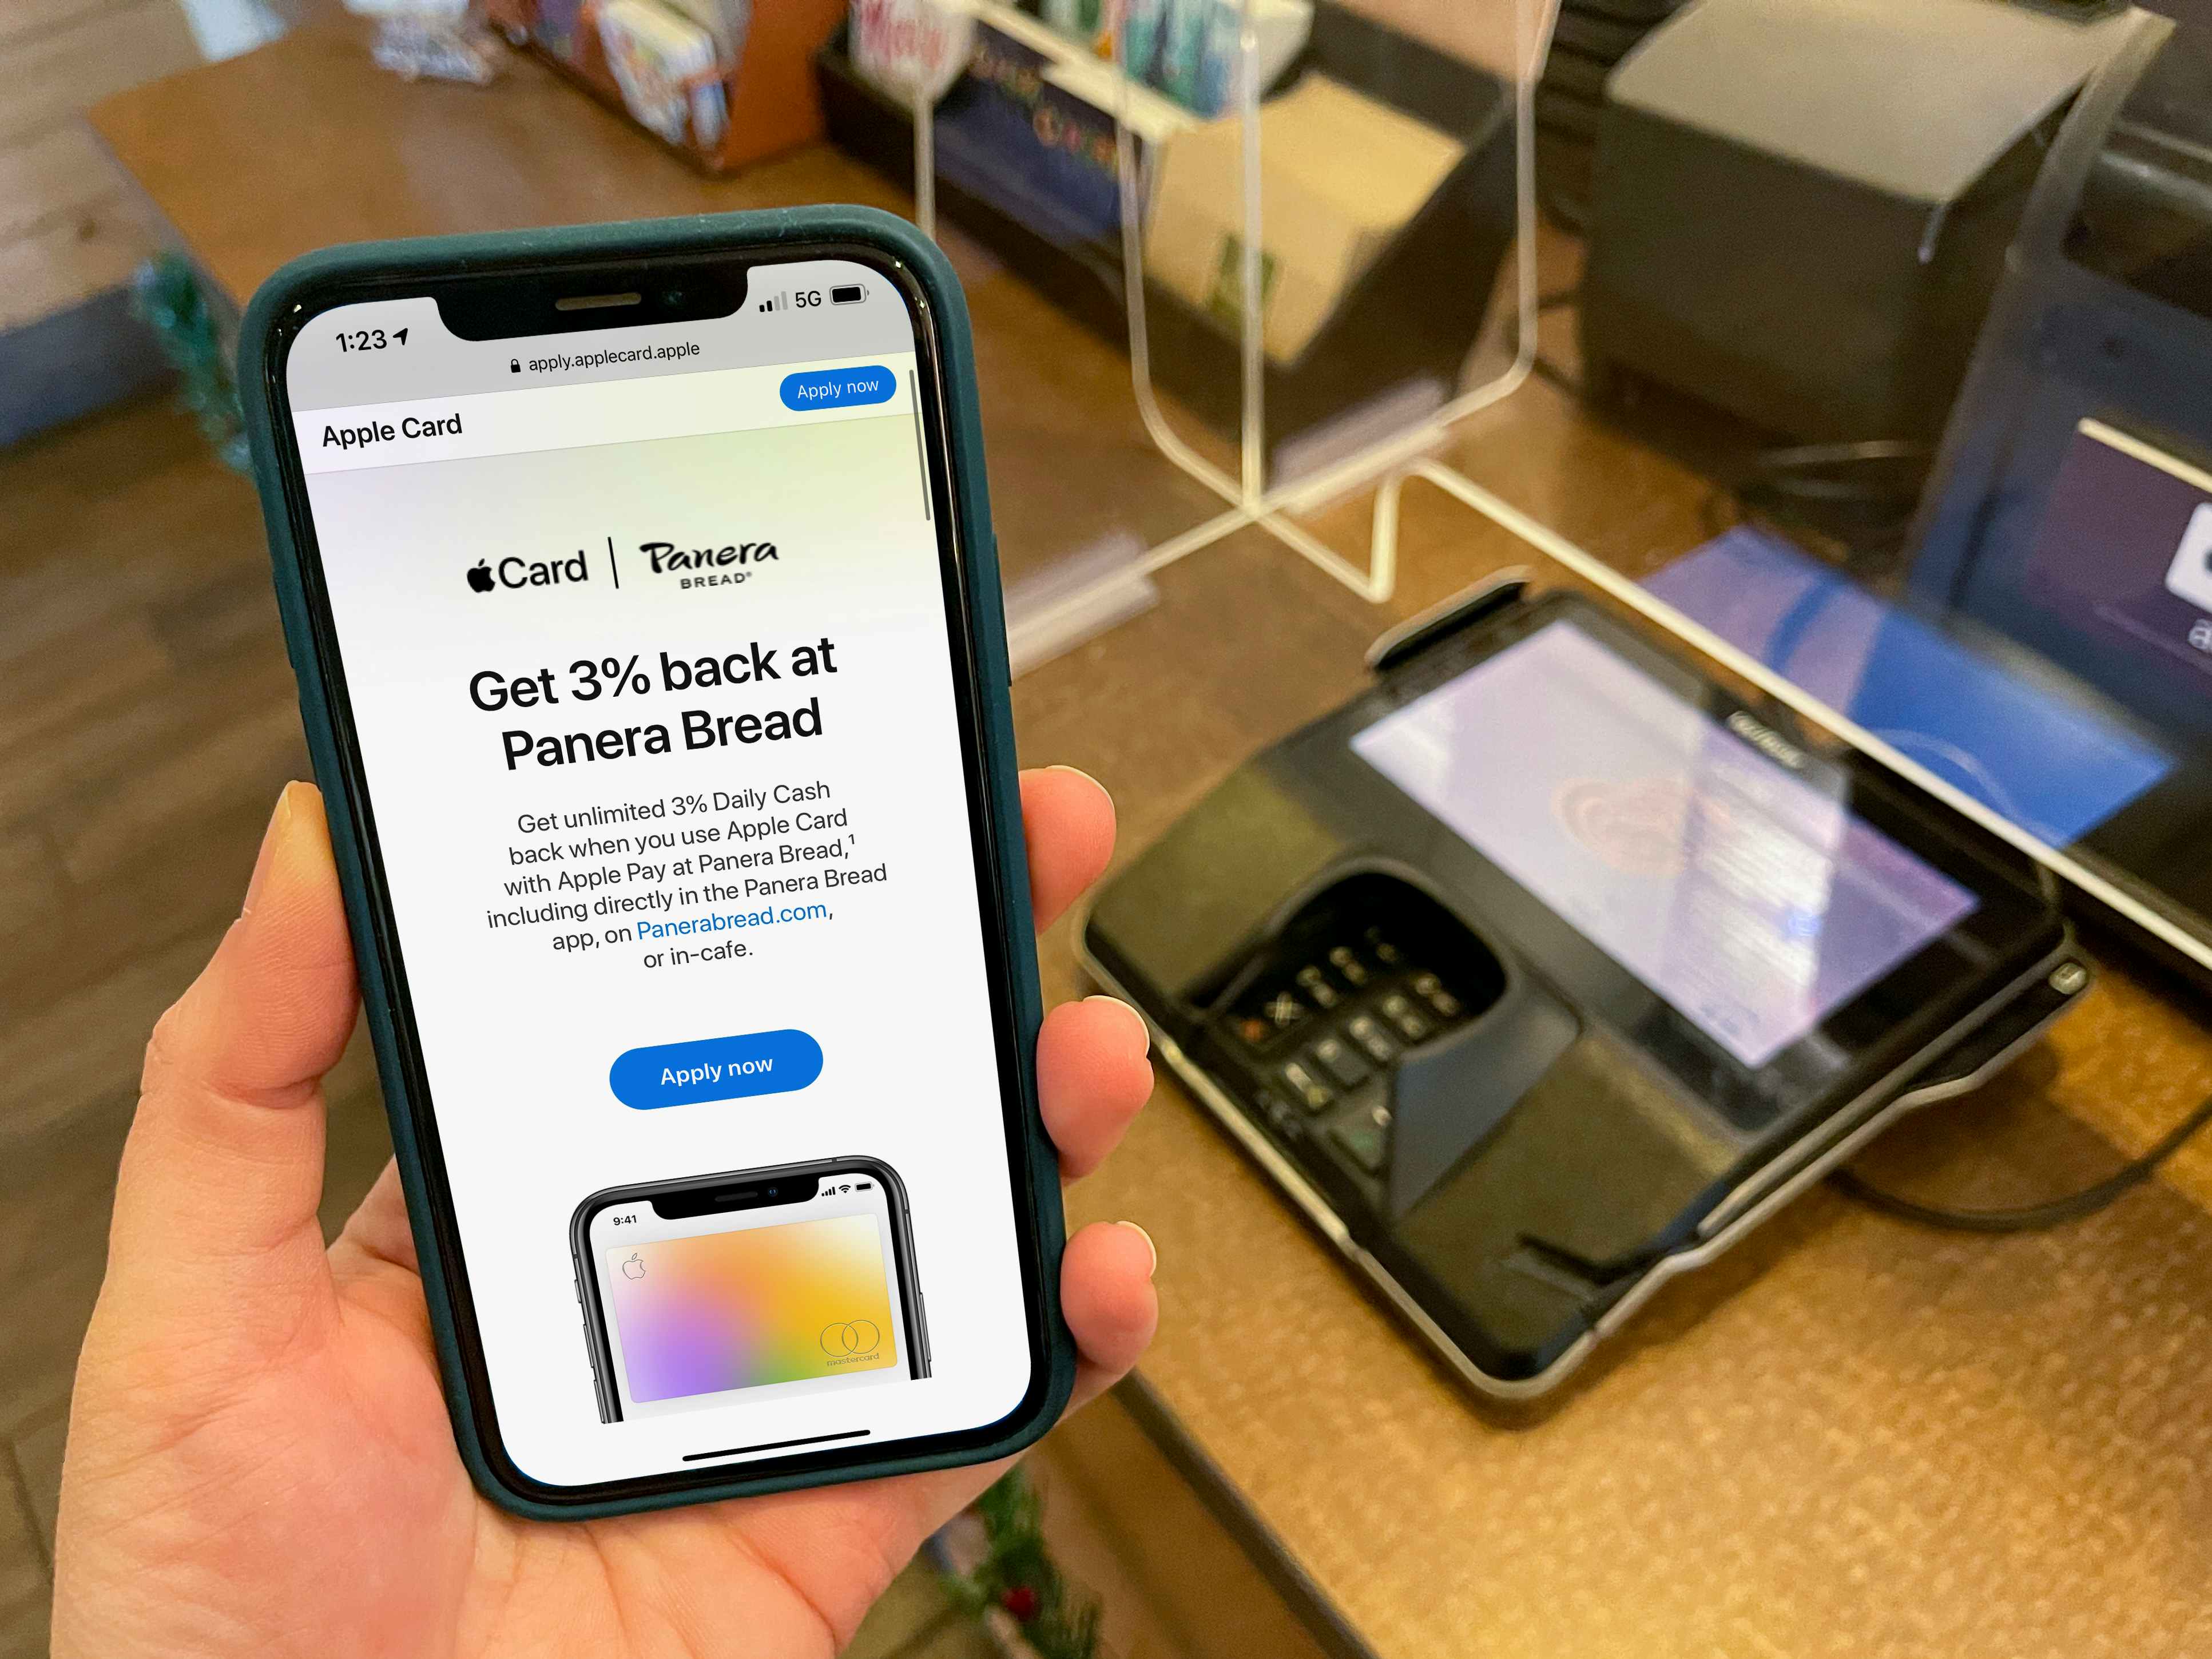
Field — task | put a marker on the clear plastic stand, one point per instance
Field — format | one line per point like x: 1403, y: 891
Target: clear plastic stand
x: 1233, y: 489
x: 1242, y: 486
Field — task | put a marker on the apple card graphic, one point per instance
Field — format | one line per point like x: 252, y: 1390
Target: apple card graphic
x: 2190, y: 576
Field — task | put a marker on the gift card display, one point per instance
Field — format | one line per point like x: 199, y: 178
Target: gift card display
x: 661, y: 62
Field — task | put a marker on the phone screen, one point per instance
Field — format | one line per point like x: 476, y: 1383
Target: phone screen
x: 659, y: 698
x: 799, y: 1298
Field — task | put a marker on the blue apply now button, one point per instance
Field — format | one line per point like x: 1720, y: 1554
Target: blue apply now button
x: 715, y: 1068
x: 838, y: 388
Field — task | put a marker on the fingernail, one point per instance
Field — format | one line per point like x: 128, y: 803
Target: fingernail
x: 1149, y: 1245
x: 278, y: 820
x: 1144, y: 1031
x: 1080, y: 773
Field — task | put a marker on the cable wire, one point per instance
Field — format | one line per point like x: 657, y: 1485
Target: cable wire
x: 2032, y: 1217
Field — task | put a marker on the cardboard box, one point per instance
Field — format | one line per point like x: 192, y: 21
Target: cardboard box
x: 1018, y: 170
x: 1341, y: 175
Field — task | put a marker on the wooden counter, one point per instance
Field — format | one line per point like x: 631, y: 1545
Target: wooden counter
x: 1850, y: 1438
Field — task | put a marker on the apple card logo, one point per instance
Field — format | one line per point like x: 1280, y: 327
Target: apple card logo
x: 485, y: 576
x: 2190, y: 576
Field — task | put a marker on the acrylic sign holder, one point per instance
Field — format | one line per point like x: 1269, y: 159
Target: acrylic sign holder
x: 1247, y: 497
x: 1386, y: 465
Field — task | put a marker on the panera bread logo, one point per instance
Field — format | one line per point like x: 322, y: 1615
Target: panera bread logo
x: 708, y: 566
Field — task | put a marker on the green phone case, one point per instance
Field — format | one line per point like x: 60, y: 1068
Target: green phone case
x: 311, y: 280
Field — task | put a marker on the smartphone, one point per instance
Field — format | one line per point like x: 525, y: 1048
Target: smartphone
x: 640, y: 584
x: 794, y: 1280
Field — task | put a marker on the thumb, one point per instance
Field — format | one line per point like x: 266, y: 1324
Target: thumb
x: 223, y: 1169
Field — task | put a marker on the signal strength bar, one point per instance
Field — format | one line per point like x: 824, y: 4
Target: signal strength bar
x: 777, y: 302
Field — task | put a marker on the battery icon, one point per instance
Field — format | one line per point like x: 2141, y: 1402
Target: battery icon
x: 864, y: 1186
x: 848, y: 293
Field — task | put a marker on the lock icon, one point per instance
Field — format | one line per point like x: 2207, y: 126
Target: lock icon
x: 515, y: 365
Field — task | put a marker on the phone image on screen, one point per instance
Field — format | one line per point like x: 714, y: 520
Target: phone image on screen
x: 640, y: 586
x: 800, y: 1279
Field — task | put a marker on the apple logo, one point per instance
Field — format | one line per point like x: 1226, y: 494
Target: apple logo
x: 634, y: 1268
x: 480, y: 576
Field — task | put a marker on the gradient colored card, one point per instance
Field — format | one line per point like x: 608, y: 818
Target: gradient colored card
x: 787, y: 1303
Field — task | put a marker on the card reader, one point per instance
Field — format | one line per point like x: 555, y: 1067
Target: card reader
x: 1545, y: 968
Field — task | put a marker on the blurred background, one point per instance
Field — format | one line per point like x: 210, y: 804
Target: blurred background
x: 1856, y: 349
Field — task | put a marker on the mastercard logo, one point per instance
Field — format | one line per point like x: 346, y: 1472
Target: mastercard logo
x: 846, y: 1339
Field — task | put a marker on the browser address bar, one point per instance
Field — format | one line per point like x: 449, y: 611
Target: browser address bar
x: 476, y: 425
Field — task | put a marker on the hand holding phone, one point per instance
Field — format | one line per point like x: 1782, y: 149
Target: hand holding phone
x: 641, y: 587
x: 259, y: 1451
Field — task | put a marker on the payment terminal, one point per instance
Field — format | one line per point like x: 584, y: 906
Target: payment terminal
x: 1545, y: 968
